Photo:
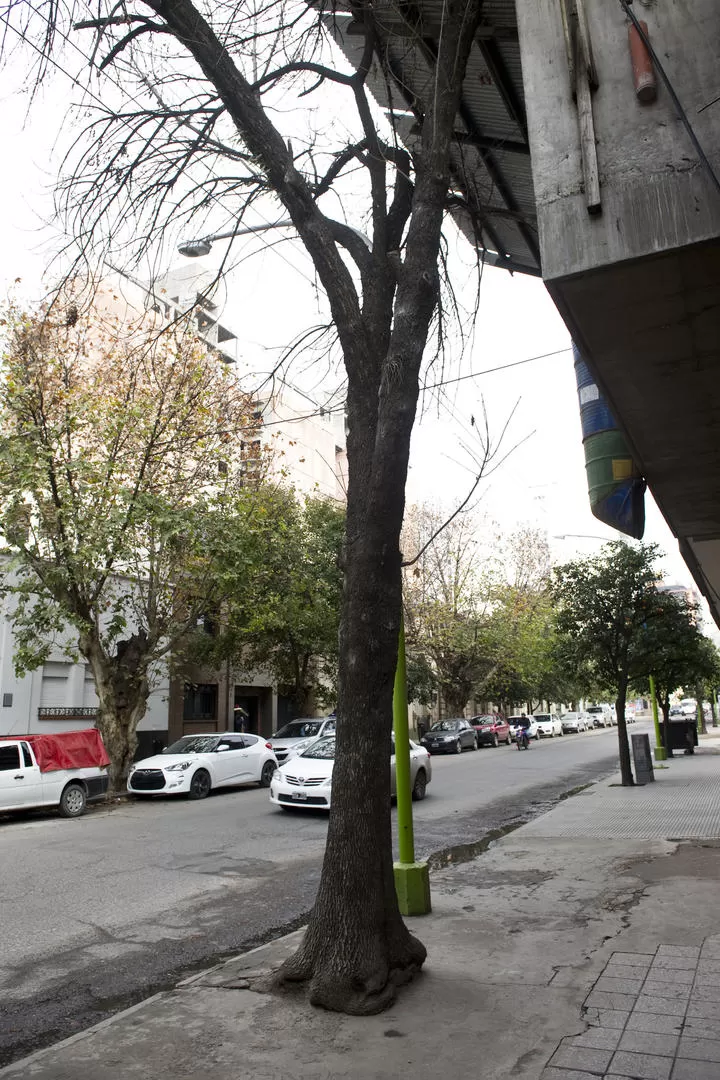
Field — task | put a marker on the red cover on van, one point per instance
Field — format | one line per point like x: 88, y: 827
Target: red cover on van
x: 66, y: 749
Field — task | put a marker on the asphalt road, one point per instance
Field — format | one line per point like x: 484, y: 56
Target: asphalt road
x: 102, y: 911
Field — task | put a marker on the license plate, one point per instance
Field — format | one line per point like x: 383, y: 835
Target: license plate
x: 299, y: 796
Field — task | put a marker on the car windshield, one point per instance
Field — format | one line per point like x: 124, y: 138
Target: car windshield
x: 486, y: 720
x: 445, y: 725
x: 595, y: 709
x: 323, y: 748
x: 193, y: 744
x: 299, y: 729
x: 542, y: 716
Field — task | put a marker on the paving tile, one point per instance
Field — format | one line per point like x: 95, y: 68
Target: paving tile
x: 666, y: 989
x: 707, y: 978
x: 619, y: 986
x: 629, y: 971
x: 646, y: 1042
x: 602, y: 1000
x: 660, y: 1025
x: 705, y: 1010
x: 679, y: 950
x: 709, y: 965
x: 705, y: 993
x: 699, y: 1049
x: 582, y: 1058
x: 599, y: 1038
x: 635, y: 959
x: 700, y: 1027
x: 672, y: 976
x: 646, y: 1066
x: 662, y: 1006
x: 695, y: 1070
x: 567, y: 1074
x: 608, y: 1018
x: 682, y: 963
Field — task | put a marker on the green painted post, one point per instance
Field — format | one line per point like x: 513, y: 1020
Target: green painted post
x: 412, y: 879
x: 406, y: 839
x: 660, y: 752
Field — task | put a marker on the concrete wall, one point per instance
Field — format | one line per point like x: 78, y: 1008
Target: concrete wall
x: 655, y: 194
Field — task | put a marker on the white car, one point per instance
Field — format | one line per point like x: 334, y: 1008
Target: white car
x: 530, y: 723
x: 306, y: 779
x: 196, y: 764
x: 601, y: 715
x: 575, y: 722
x: 688, y: 706
x: 548, y: 724
x: 298, y: 734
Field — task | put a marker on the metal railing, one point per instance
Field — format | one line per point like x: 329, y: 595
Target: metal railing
x: 67, y: 712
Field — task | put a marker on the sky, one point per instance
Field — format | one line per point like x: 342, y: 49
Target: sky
x: 516, y: 367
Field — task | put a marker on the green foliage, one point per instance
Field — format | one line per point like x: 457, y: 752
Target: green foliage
x: 116, y: 440
x: 278, y: 563
x: 672, y: 649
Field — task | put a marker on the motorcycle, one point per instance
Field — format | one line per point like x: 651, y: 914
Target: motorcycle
x: 522, y: 739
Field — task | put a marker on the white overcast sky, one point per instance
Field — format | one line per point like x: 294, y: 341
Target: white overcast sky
x: 272, y: 296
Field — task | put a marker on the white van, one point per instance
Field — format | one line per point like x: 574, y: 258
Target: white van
x: 601, y: 715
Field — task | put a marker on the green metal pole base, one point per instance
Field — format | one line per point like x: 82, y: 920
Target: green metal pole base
x: 660, y: 753
x: 412, y: 885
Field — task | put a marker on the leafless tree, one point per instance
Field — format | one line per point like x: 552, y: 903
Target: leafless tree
x: 188, y: 108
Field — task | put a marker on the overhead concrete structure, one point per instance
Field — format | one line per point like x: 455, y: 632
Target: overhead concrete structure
x: 626, y: 215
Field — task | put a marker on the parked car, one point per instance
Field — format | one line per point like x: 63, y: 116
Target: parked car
x: 298, y: 734
x: 65, y: 770
x: 450, y: 737
x: 528, y: 722
x: 491, y: 729
x: 548, y: 724
x: 306, y: 779
x: 601, y: 715
x: 629, y: 714
x: 688, y: 706
x: 196, y: 764
x: 575, y: 721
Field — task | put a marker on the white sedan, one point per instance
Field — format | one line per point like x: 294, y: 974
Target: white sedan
x: 548, y: 724
x: 196, y: 764
x: 306, y: 779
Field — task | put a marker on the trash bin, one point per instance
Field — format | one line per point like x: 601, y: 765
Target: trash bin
x: 683, y: 735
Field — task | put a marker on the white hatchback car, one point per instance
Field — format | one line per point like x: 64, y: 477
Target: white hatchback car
x: 530, y: 724
x: 574, y: 721
x: 548, y: 724
x: 196, y: 764
x: 306, y: 779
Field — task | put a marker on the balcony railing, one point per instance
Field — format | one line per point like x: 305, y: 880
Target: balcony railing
x: 67, y: 712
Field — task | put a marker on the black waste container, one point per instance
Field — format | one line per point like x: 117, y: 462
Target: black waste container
x: 683, y: 735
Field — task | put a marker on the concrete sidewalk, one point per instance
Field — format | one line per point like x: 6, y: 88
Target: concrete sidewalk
x: 582, y: 945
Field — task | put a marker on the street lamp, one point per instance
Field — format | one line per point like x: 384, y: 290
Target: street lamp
x: 194, y: 249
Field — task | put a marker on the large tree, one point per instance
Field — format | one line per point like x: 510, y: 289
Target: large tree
x: 205, y: 85
x: 116, y: 439
x: 605, y: 604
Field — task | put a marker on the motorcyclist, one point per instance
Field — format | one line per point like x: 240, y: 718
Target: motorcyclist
x: 523, y: 739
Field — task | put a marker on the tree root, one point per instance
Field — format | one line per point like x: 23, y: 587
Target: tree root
x: 361, y: 989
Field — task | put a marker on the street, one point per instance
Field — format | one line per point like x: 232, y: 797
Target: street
x: 104, y: 910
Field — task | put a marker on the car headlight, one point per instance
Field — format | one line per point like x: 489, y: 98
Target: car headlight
x: 181, y: 766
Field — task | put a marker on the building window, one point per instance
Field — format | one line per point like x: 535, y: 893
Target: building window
x: 200, y: 701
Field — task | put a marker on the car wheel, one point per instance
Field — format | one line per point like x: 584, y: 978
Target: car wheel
x: 200, y: 785
x: 495, y: 740
x: 267, y: 773
x: 474, y: 744
x: 458, y: 747
x: 508, y: 741
x: 420, y: 786
x: 73, y: 801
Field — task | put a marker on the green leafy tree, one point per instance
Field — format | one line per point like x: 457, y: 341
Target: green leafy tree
x: 278, y: 564
x: 605, y: 604
x: 115, y: 440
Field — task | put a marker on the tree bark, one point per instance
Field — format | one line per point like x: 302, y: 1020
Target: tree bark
x: 123, y: 690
